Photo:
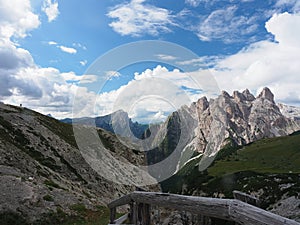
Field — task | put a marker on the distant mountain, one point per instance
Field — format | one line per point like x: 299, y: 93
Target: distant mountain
x: 205, y: 127
x: 292, y: 112
x: 43, y: 173
x: 115, y: 123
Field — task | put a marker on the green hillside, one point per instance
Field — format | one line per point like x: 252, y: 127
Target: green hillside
x: 275, y: 155
x: 261, y: 167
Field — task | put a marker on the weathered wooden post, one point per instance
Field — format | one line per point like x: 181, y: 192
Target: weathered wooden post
x: 143, y: 214
x: 246, y: 198
x: 146, y: 214
x: 113, y: 212
x: 140, y: 213
x: 133, y: 218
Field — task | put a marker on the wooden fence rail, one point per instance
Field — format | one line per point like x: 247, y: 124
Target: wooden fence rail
x: 226, y: 209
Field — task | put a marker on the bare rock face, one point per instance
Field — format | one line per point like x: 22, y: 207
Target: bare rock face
x: 236, y: 120
x: 240, y: 118
x: 266, y: 94
x: 291, y: 112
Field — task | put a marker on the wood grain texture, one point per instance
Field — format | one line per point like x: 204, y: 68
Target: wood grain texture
x: 227, y: 209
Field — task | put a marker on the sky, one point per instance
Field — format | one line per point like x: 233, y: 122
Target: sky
x: 147, y: 57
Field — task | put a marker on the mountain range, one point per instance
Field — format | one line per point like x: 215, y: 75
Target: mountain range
x: 43, y: 170
x: 111, y: 122
x: 208, y: 126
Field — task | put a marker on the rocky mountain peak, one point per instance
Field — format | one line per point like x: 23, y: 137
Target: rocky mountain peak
x: 202, y: 104
x: 238, y: 96
x: 266, y: 94
x: 225, y: 94
x: 248, y: 95
x: 234, y: 120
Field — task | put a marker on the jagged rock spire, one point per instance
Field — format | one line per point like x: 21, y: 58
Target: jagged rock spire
x: 266, y: 94
x: 248, y: 95
x: 202, y: 104
x: 238, y: 96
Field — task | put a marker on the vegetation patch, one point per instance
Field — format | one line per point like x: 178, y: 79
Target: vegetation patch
x: 51, y: 183
x: 12, y: 218
x: 48, y: 198
x: 83, y: 216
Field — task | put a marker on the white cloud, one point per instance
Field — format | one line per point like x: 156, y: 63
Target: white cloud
x: 112, y: 74
x: 51, y: 9
x: 155, y: 93
x: 83, y: 62
x: 166, y: 57
x: 78, y: 45
x: 16, y: 18
x: 52, y: 43
x: 73, y: 78
x: 46, y: 90
x: 195, y: 3
x: 202, y: 62
x: 67, y: 49
x: 225, y: 25
x: 266, y: 63
x: 136, y: 18
x: 294, y: 4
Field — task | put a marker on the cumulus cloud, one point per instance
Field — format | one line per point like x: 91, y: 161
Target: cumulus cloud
x: 13, y: 57
x: 267, y: 63
x: 50, y: 8
x: 137, y: 18
x: 17, y: 18
x: 154, y: 93
x: 46, y: 90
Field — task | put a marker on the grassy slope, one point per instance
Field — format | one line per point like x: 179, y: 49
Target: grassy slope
x: 275, y: 155
x: 84, y: 217
x: 264, y: 165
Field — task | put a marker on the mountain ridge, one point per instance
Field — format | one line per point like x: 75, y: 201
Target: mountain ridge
x: 115, y: 123
x: 226, y: 120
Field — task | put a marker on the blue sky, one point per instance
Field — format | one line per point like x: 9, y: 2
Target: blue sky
x: 50, y: 49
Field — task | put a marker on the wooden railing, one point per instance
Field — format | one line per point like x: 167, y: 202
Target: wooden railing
x: 226, y: 209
